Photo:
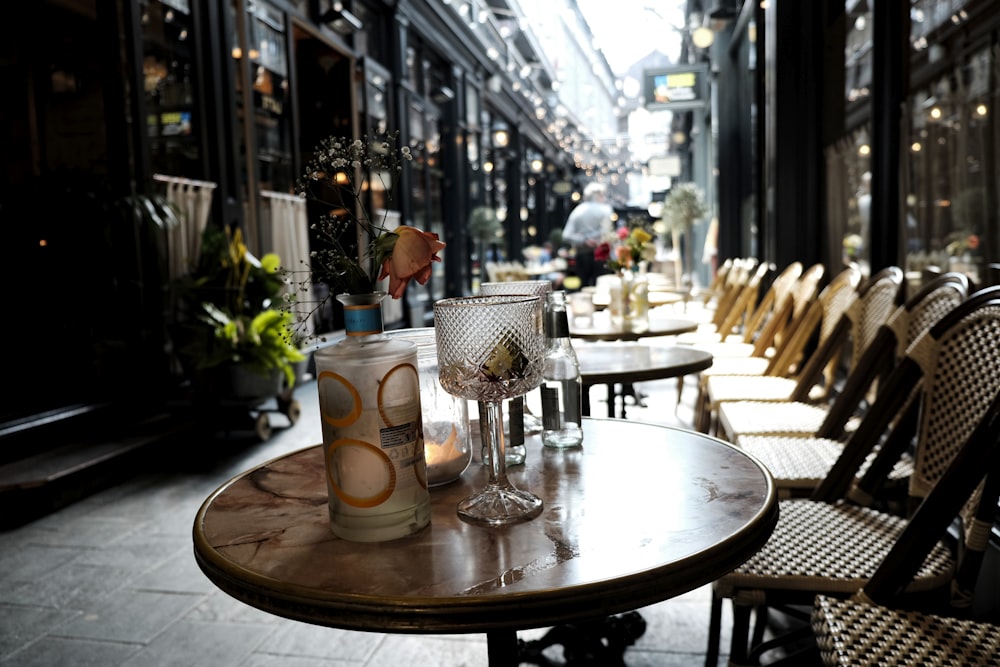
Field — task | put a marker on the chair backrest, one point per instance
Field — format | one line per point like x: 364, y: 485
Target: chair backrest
x: 772, y: 313
x: 877, y: 301
x: 718, y: 281
x: 855, y: 330
x: 745, y: 301
x: 818, y: 319
x: 948, y: 377
x: 803, y: 293
x: 906, y: 324
x: 737, y: 278
x: 968, y: 489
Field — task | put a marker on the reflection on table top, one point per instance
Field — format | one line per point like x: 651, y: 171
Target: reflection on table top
x: 601, y: 363
x: 602, y: 328
x: 639, y: 514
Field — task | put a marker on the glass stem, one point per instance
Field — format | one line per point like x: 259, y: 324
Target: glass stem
x: 491, y: 428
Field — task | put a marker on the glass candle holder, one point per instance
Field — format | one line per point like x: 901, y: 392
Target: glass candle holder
x: 447, y: 436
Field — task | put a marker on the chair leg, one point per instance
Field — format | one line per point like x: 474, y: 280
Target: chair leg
x: 714, y: 632
x: 739, y: 646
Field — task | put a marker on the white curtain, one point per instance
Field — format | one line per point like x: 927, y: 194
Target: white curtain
x: 193, y: 202
x: 288, y: 228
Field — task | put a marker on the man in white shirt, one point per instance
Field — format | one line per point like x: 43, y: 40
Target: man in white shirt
x: 586, y: 227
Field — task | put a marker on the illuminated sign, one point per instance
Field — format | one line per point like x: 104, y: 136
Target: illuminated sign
x: 676, y: 88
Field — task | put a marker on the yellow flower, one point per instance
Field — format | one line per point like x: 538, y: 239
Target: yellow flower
x: 640, y: 236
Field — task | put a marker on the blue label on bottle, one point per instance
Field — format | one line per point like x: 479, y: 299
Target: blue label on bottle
x: 362, y: 320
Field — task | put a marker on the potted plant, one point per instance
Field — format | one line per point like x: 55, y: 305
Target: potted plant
x: 683, y: 207
x: 236, y: 340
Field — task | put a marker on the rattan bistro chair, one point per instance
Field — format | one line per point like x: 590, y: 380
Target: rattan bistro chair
x: 710, y: 312
x: 799, y: 463
x: 803, y: 410
x: 831, y: 544
x: 750, y: 317
x: 816, y: 321
x: 877, y: 626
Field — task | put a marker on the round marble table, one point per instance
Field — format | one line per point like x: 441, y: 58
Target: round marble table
x: 611, y: 363
x: 639, y: 514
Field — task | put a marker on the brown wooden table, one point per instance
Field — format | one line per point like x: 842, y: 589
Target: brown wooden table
x: 641, y: 513
x: 626, y: 363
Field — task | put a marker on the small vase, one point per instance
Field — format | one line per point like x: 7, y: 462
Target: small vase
x: 638, y: 310
x: 629, y: 306
x: 369, y: 393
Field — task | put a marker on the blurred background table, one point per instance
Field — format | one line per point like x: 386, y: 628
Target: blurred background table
x: 626, y: 363
x: 603, y: 329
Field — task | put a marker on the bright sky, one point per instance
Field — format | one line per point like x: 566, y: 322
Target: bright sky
x: 628, y: 30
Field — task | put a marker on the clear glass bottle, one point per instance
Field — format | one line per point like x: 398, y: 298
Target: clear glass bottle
x: 562, y: 387
x: 369, y: 397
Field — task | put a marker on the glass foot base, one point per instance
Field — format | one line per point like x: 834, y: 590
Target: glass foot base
x: 532, y: 424
x: 500, y: 507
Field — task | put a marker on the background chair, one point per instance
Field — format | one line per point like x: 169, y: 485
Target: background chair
x: 872, y: 627
x: 831, y: 545
x: 804, y: 409
x: 816, y: 320
x: 799, y: 463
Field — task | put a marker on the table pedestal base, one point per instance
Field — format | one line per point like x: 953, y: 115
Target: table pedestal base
x: 599, y: 643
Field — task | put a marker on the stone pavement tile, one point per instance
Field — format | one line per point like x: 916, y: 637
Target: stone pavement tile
x: 69, y: 586
x: 431, y: 651
x: 28, y: 563
x: 76, y: 652
x: 219, y: 607
x: 303, y: 640
x: 177, y: 574
x: 129, y: 616
x: 20, y: 625
x: 196, y: 644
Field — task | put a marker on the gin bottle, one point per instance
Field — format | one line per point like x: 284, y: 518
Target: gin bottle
x: 562, y: 388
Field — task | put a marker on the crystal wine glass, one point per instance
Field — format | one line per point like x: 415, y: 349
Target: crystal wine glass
x: 539, y: 288
x: 489, y: 350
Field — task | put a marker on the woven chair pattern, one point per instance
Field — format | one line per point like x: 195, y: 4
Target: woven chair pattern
x: 798, y: 556
x: 826, y: 545
x: 965, y: 378
x: 799, y: 464
x: 854, y: 633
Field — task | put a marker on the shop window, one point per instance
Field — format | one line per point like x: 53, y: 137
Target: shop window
x: 169, y: 71
x: 951, y: 197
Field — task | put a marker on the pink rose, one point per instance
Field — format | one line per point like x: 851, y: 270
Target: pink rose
x: 410, y: 258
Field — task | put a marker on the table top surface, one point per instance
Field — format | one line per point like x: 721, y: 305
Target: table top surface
x: 601, y: 363
x: 602, y: 328
x: 639, y: 514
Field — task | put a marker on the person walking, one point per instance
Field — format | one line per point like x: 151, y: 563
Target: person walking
x: 586, y: 227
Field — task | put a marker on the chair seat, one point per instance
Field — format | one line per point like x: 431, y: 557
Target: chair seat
x: 856, y: 633
x: 748, y: 388
x: 800, y: 556
x: 731, y: 347
x: 800, y: 464
x: 737, y: 366
x: 789, y: 418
